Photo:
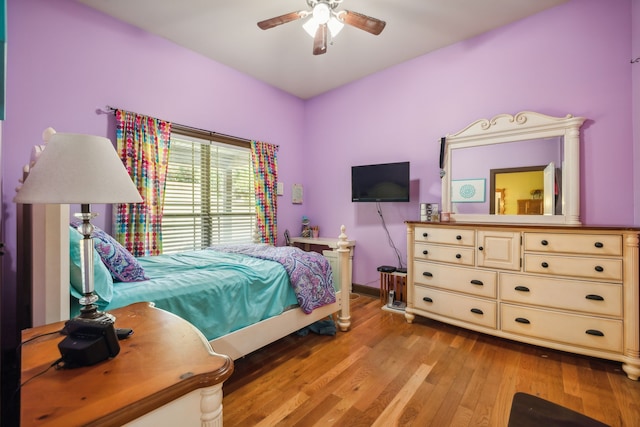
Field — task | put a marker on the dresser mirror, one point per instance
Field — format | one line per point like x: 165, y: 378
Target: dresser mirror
x: 514, y: 169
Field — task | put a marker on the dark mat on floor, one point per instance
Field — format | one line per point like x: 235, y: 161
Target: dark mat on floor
x: 532, y: 411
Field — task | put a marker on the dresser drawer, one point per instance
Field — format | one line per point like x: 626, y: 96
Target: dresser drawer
x: 573, y: 329
x: 588, y: 297
x: 583, y: 244
x: 448, y: 236
x: 453, y: 255
x: 456, y: 306
x: 468, y: 280
x: 602, y: 269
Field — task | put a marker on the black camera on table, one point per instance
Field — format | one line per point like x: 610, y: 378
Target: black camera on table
x: 88, y: 342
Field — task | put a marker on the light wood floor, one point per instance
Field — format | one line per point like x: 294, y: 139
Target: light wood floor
x: 387, y: 372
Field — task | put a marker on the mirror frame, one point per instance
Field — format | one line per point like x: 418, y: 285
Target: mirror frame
x: 523, y: 126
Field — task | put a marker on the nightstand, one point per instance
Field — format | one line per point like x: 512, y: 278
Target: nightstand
x: 165, y: 374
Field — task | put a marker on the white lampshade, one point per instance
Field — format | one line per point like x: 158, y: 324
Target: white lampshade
x: 78, y: 169
x: 335, y: 26
x: 310, y: 27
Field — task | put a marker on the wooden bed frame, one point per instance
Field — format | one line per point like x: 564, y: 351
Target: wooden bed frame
x: 49, y: 273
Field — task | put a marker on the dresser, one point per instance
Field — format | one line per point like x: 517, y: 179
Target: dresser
x: 570, y: 288
x: 166, y: 374
x: 530, y: 207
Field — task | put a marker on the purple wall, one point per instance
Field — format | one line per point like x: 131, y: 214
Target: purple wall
x: 66, y: 60
x: 635, y: 91
x: 573, y: 58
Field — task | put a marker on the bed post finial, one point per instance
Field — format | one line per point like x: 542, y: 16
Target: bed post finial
x: 344, y: 317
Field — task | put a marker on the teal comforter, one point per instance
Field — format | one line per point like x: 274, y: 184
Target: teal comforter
x: 201, y: 286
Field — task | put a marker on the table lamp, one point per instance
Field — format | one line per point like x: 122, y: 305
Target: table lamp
x: 80, y: 169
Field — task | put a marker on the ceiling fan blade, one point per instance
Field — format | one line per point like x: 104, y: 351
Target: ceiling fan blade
x: 320, y: 40
x: 364, y: 22
x: 282, y: 19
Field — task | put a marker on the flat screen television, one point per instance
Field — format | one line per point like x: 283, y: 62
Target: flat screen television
x: 386, y: 182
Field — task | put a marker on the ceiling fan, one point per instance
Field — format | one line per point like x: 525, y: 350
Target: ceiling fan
x: 325, y: 20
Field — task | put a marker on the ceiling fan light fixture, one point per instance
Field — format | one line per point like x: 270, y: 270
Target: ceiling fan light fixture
x: 321, y: 13
x: 334, y: 25
x: 323, y: 22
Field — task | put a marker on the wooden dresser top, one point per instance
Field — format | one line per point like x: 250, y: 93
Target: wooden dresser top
x: 164, y: 359
x: 576, y: 228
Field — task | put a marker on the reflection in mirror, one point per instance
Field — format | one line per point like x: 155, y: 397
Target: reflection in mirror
x: 524, y: 140
x: 498, y: 202
x: 525, y: 191
x: 478, y: 162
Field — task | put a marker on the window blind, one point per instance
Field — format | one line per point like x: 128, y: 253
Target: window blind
x: 209, y: 194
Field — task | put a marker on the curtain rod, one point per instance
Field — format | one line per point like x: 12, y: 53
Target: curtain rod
x: 112, y: 110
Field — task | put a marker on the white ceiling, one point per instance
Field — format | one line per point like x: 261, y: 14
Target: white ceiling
x: 226, y: 31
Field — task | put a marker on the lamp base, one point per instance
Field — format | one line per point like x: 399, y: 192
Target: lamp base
x: 91, y: 312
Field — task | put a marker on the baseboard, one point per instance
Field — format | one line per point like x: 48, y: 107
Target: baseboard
x: 366, y: 290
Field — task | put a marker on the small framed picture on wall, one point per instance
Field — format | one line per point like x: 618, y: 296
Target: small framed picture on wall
x: 296, y: 194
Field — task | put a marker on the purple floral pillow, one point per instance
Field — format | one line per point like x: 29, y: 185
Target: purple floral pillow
x: 123, y: 266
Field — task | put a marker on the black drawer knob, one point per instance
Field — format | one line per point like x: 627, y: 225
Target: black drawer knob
x: 458, y: 256
x: 477, y: 311
x: 544, y: 243
x: 477, y: 282
x: 599, y: 245
x: 458, y: 237
x: 427, y: 299
x: 522, y: 320
x: 427, y: 274
x: 425, y: 234
x: 522, y: 288
x: 599, y: 269
x: 544, y: 265
x: 425, y: 252
x: 594, y: 297
x: 594, y: 332
x: 480, y: 248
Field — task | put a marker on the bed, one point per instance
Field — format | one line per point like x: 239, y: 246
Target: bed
x: 235, y: 336
x: 44, y: 269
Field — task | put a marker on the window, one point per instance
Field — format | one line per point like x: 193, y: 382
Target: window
x: 209, y: 195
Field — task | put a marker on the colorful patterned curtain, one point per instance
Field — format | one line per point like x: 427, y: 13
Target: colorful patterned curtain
x: 265, y: 169
x: 143, y: 146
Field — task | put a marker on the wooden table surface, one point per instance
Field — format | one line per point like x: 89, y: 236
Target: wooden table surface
x: 321, y: 241
x: 164, y: 359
